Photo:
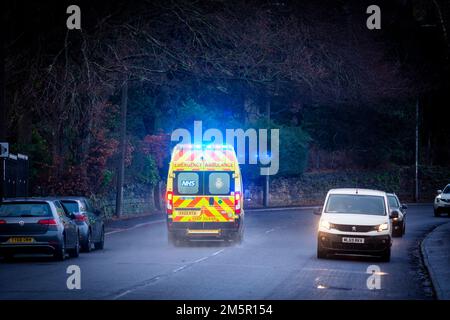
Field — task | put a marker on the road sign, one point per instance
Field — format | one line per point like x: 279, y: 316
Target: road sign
x: 4, y: 149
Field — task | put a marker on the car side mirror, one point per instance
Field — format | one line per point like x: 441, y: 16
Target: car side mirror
x: 394, y: 214
x: 317, y: 211
x: 404, y: 207
x: 439, y: 191
x: 72, y: 216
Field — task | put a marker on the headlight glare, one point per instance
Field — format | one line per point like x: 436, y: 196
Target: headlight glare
x: 382, y: 227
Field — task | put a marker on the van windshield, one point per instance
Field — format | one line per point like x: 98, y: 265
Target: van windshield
x: 203, y: 183
x: 356, y: 204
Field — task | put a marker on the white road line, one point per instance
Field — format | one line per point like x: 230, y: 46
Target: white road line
x: 179, y: 269
x: 200, y: 260
x: 135, y: 227
x: 122, y: 294
x: 217, y: 252
x: 269, y: 231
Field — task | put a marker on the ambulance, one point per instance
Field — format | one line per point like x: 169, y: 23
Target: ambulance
x: 204, y: 194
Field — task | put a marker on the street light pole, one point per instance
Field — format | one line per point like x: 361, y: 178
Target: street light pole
x: 123, y: 132
x: 267, y: 178
x: 416, y: 191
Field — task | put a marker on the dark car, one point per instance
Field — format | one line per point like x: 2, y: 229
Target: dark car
x: 89, y: 220
x: 398, y: 224
x: 37, y: 226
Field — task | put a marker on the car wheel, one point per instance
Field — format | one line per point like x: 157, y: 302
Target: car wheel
x: 100, y: 244
x: 75, y: 252
x: 404, y: 228
x: 86, y: 246
x: 386, y: 256
x: 8, y: 257
x: 397, y: 232
x: 437, y: 213
x: 60, y: 253
x: 321, y: 253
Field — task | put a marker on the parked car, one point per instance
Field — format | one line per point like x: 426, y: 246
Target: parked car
x: 355, y: 221
x: 36, y: 225
x: 398, y: 224
x: 442, y: 201
x: 89, y: 220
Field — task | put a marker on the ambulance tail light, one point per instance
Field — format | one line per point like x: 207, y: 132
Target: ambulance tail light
x: 169, y: 198
x: 237, y: 202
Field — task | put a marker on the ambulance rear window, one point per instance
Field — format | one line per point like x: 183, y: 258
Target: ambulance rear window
x: 188, y: 183
x: 219, y: 183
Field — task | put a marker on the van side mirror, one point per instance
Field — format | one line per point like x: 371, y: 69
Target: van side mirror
x: 317, y: 211
x: 404, y: 207
x: 394, y: 214
x: 439, y: 191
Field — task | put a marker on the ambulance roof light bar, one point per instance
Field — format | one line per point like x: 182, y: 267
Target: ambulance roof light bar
x: 201, y: 147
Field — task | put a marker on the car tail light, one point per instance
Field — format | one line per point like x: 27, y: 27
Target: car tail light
x: 237, y: 202
x: 80, y: 218
x: 48, y: 222
x: 169, y: 198
x: 2, y: 221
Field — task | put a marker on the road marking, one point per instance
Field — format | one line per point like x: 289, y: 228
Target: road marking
x: 134, y: 227
x: 269, y: 231
x: 179, y: 269
x: 150, y: 281
x: 217, y: 252
x: 122, y: 294
x: 200, y: 260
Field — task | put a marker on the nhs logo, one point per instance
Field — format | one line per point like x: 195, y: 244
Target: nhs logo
x: 188, y: 183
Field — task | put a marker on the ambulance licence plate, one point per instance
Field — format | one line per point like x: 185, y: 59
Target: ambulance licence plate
x: 352, y: 240
x: 188, y: 213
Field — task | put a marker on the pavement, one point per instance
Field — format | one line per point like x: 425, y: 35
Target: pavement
x: 436, y: 253
x: 277, y: 260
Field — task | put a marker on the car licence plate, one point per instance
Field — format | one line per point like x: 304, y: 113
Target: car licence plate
x: 21, y: 240
x: 352, y: 240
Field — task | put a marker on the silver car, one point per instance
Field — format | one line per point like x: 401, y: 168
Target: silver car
x: 442, y: 201
x: 89, y: 220
x: 37, y: 225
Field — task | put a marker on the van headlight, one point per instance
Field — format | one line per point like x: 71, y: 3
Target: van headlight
x: 382, y: 227
x: 325, y: 224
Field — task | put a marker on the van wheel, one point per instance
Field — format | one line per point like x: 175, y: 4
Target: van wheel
x: 321, y: 253
x: 172, y: 239
x: 237, y: 237
x: 386, y: 256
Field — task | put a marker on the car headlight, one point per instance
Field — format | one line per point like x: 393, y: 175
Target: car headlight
x: 325, y: 224
x: 382, y: 227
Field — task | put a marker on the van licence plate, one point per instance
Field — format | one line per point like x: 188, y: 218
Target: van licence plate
x: 352, y: 240
x: 187, y: 213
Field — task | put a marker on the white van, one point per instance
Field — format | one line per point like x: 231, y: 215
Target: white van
x: 355, y: 221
